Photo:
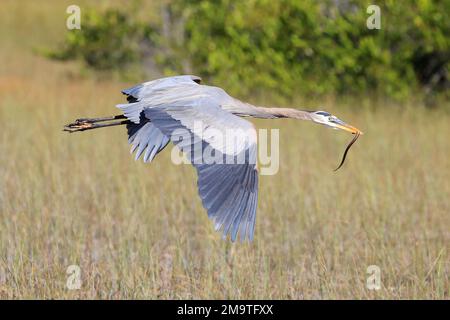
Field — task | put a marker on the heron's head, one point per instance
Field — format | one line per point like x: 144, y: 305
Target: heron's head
x: 327, y: 119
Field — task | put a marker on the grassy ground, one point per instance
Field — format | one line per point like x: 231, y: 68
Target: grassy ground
x: 139, y: 231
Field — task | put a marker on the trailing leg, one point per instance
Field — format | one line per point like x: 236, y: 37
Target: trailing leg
x: 92, y: 123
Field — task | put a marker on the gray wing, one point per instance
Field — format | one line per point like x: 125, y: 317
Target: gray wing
x: 146, y: 89
x: 138, y: 94
x: 146, y: 137
x: 142, y: 134
x: 229, y: 192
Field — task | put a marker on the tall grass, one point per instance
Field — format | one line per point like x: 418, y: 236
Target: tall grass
x: 139, y: 231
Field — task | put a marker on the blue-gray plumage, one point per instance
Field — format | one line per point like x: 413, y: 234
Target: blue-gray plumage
x: 170, y: 109
x: 146, y: 136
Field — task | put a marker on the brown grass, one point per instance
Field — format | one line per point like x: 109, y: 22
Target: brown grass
x: 139, y: 231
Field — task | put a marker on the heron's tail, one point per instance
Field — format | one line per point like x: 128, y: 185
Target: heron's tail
x: 93, y: 123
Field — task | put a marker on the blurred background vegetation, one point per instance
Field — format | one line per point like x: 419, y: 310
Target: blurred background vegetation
x: 278, y: 49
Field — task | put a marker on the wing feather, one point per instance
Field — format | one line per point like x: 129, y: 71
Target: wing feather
x: 146, y: 137
x: 228, y: 191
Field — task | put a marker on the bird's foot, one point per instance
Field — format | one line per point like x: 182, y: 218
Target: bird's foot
x: 79, y: 125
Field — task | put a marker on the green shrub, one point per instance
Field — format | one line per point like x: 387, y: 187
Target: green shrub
x: 107, y: 40
x: 308, y: 47
x: 281, y: 48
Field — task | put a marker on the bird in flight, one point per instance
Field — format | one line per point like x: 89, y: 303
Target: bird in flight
x: 192, y: 116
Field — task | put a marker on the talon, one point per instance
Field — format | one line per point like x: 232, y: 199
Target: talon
x: 78, y: 126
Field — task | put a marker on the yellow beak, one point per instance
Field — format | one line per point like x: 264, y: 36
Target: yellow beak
x: 349, y: 128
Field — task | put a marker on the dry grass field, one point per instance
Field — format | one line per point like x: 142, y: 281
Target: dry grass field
x: 139, y: 231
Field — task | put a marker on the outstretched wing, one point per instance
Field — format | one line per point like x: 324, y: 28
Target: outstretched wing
x: 146, y: 89
x: 222, y: 147
x: 146, y: 137
x: 142, y: 134
x: 140, y: 96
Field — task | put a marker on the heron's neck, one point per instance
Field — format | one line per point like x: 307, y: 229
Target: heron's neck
x: 248, y: 110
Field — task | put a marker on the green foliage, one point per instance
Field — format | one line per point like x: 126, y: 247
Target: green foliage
x: 283, y: 48
x: 107, y: 40
x: 306, y: 47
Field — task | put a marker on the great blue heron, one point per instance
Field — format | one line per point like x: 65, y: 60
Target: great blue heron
x: 158, y: 109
